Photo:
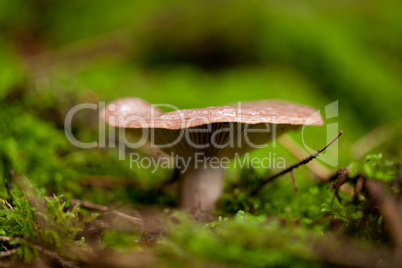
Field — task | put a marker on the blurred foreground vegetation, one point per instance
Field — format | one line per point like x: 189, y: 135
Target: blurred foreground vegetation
x: 56, y: 54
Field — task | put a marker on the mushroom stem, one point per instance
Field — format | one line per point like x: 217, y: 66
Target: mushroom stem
x: 201, y: 187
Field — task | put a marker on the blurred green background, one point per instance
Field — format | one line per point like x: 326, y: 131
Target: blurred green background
x: 56, y: 54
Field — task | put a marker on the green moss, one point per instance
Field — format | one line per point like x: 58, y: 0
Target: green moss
x: 375, y: 167
x: 46, y: 225
x: 244, y: 241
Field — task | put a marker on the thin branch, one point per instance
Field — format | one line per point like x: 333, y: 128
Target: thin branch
x: 8, y: 238
x: 386, y: 204
x: 7, y: 204
x: 389, y: 208
x: 122, y: 215
x: 89, y: 205
x: 292, y: 177
x: 321, y: 171
x: 104, y: 209
x: 8, y: 253
x: 54, y: 255
x: 302, y: 162
x: 376, y: 137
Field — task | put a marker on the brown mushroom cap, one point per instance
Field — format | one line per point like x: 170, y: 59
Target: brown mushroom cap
x: 266, y: 111
x: 212, y: 127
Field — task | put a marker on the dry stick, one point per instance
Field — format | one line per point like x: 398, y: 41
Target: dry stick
x: 57, y: 257
x: 8, y: 253
x: 319, y: 170
x: 302, y: 162
x: 104, y: 209
x: 89, y: 205
x: 7, y: 204
x: 9, y: 238
x: 52, y: 254
x: 376, y: 137
x: 323, y: 173
x: 96, y: 207
x: 389, y: 208
x: 292, y: 177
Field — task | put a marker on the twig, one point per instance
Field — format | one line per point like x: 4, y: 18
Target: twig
x: 8, y: 252
x: 56, y: 256
x: 8, y: 238
x: 8, y: 204
x: 89, y: 205
x: 321, y: 171
x: 292, y: 177
x: 134, y: 220
x: 338, y: 180
x: 389, y: 208
x: 376, y: 137
x: 302, y: 162
x: 104, y: 209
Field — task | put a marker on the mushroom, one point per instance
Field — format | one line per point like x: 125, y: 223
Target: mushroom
x: 205, y: 137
